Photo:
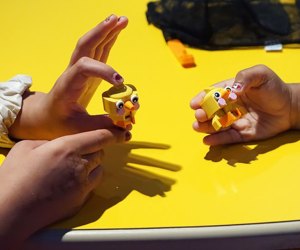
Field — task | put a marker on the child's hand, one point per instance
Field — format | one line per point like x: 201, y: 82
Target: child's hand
x: 267, y: 99
x: 45, y: 181
x: 62, y: 111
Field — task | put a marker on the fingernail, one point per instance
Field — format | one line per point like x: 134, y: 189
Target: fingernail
x: 193, y: 103
x: 127, y: 136
x: 120, y: 18
x: 237, y: 86
x: 108, y: 18
x: 118, y: 79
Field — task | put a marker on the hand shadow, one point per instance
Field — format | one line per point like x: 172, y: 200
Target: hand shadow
x: 121, y: 178
x: 243, y: 153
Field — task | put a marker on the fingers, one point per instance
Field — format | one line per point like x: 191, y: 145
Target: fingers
x: 204, y: 127
x: 94, y: 170
x: 23, y: 148
x: 85, y: 122
x: 252, y: 77
x: 94, y: 160
x: 95, y: 41
x: 195, y: 102
x: 86, y: 67
x: 202, y: 124
x: 200, y: 115
x: 224, y: 137
x: 241, y: 130
x: 102, y: 51
x: 92, y: 141
x: 28, y: 145
x: 72, y: 83
x: 217, y: 138
x: 95, y: 177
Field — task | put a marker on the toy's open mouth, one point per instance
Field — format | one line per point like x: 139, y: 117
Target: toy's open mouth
x: 128, y: 117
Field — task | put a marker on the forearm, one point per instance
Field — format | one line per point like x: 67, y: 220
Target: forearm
x: 16, y: 217
x: 295, y: 105
x: 10, y: 226
x: 17, y: 223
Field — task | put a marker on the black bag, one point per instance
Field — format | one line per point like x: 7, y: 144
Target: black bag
x: 216, y: 24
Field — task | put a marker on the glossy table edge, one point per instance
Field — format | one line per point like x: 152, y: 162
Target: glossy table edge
x: 277, y: 235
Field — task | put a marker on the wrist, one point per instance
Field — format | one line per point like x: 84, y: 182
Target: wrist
x: 31, y: 119
x: 294, y: 90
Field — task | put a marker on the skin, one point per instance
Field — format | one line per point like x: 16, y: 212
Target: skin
x: 45, y: 181
x: 272, y: 107
x: 62, y: 111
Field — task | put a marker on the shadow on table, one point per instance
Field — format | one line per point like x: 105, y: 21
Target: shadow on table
x: 121, y: 177
x: 244, y: 153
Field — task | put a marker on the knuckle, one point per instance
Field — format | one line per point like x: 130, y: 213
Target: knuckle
x: 103, y: 136
x: 22, y: 144
x: 99, y: 157
x: 101, y: 154
x: 62, y: 148
x: 262, y: 67
x: 242, y: 73
x: 80, y: 43
x: 82, y: 64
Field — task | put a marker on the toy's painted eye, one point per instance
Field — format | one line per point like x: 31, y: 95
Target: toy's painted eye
x: 119, y: 104
x: 217, y: 95
x: 134, y: 99
x: 229, y: 89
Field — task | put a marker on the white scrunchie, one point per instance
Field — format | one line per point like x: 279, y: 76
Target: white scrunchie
x: 10, y: 104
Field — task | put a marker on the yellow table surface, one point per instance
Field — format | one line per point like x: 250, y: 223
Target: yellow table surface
x: 166, y: 177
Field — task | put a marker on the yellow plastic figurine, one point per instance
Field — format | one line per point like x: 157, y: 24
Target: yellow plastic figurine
x: 221, y: 107
x: 121, y: 105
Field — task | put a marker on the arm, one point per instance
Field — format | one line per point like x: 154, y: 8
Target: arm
x: 295, y: 105
x: 63, y: 176
x: 62, y: 111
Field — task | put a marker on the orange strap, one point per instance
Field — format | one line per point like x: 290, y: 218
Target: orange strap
x: 179, y: 50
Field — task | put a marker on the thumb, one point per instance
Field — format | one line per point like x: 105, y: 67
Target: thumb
x: 253, y: 77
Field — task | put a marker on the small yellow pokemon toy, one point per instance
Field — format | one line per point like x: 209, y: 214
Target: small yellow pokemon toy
x: 221, y: 107
x: 121, y: 105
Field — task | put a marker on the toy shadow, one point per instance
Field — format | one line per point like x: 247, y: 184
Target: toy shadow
x: 243, y: 153
x: 121, y: 177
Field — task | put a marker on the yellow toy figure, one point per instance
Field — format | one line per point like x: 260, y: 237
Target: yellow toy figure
x: 121, y: 105
x: 221, y: 107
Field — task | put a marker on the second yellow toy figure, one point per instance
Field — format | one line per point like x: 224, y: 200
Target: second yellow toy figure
x: 121, y: 105
x: 220, y: 105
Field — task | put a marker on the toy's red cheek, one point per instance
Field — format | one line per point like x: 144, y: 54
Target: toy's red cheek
x: 121, y: 111
x: 232, y: 96
x: 222, y: 102
x: 136, y: 106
